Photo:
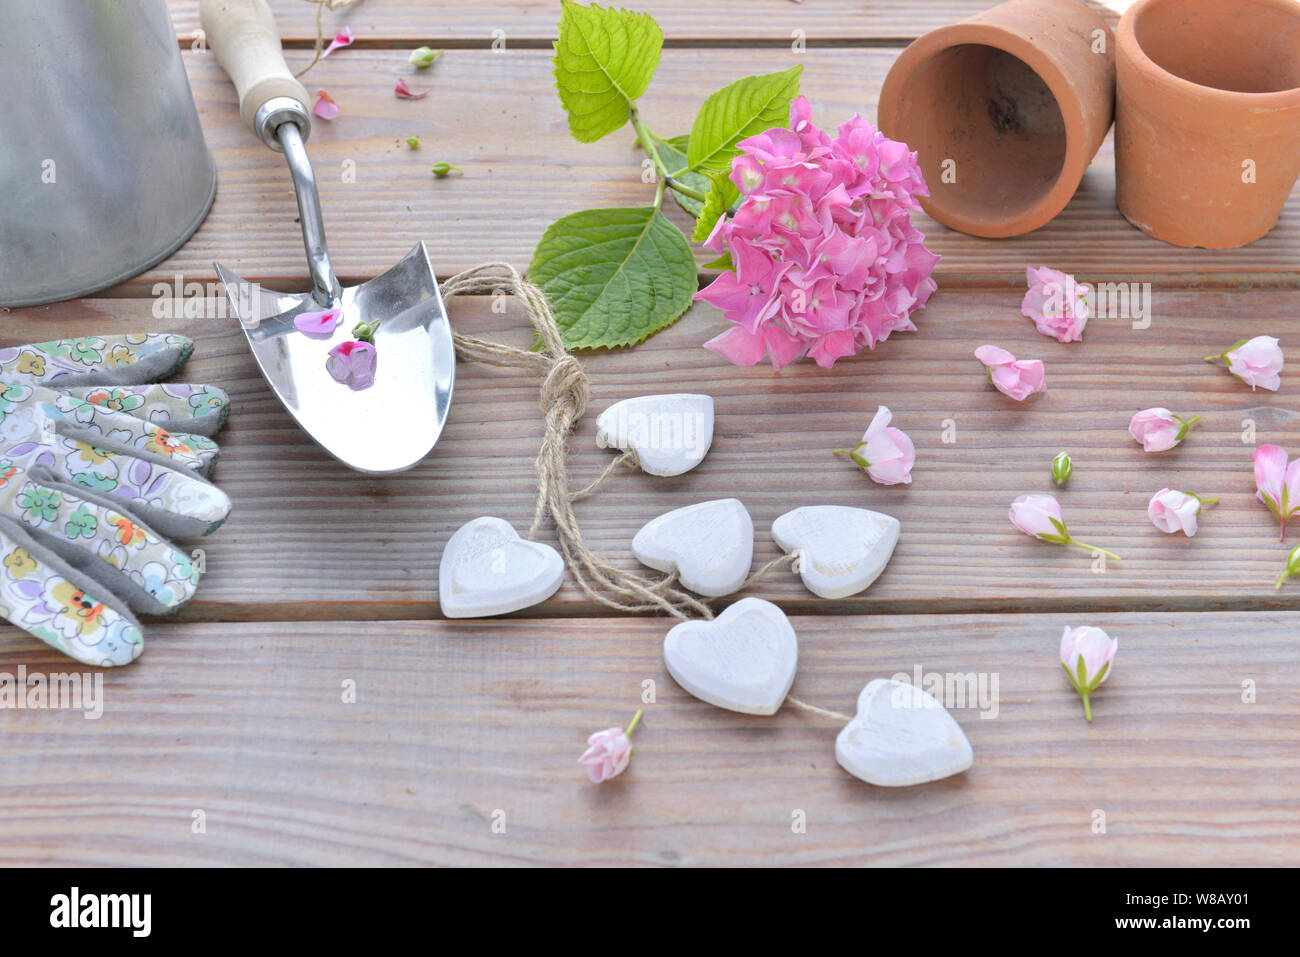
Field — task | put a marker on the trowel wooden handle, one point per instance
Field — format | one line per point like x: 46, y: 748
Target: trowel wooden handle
x: 243, y: 35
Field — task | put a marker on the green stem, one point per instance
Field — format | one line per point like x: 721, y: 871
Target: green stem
x: 1214, y: 358
x: 1189, y: 422
x: 635, y: 718
x: 646, y: 139
x: 679, y: 187
x: 1087, y: 705
x: 1092, y: 548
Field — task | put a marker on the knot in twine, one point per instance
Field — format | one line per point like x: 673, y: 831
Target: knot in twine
x: 564, y: 396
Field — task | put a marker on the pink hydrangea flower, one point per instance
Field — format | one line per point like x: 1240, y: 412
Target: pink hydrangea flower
x: 1159, y: 429
x: 353, y: 364
x: 1014, y: 377
x: 1256, y: 362
x: 325, y: 107
x: 1277, y: 483
x: 342, y: 39
x: 1173, y: 511
x: 318, y: 325
x: 1087, y: 654
x: 404, y: 92
x: 825, y: 259
x: 1058, y: 305
x: 608, y: 752
x: 885, y: 453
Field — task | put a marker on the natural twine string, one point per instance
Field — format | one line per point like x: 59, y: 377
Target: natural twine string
x: 564, y: 397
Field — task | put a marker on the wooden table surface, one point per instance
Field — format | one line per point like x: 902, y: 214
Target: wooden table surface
x: 323, y: 577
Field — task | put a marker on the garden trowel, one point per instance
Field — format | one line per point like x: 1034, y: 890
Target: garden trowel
x: 394, y: 423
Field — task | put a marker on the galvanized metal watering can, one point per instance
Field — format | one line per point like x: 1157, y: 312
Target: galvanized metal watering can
x: 103, y: 167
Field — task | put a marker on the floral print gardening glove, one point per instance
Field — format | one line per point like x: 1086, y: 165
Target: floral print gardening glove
x: 97, y: 463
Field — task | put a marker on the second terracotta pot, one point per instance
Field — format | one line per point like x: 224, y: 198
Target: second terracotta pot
x: 1005, y: 111
x: 1207, y: 128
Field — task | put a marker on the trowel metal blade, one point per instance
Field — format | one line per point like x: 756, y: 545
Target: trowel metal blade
x: 396, y: 422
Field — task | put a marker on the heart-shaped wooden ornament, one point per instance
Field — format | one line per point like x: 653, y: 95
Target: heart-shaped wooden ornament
x: 669, y: 433
x: 710, y: 545
x: 901, y: 736
x: 744, y: 660
x: 487, y: 569
x: 842, y: 550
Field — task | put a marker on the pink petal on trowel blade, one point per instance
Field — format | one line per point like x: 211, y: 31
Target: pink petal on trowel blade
x: 317, y: 324
x: 404, y: 92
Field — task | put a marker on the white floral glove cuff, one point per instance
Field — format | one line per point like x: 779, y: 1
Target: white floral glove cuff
x: 97, y: 464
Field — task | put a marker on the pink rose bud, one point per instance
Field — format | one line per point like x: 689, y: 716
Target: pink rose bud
x: 1173, y: 511
x: 1057, y: 304
x: 1256, y: 362
x: 1086, y: 656
x: 1039, y: 516
x: 1159, y: 429
x: 608, y: 752
x: 353, y: 364
x: 885, y: 453
x: 1017, y: 378
x: 1292, y: 566
x: 1277, y: 484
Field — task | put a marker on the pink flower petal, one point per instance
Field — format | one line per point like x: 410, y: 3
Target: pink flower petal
x: 404, y: 92
x: 318, y: 325
x: 342, y: 39
x: 325, y: 107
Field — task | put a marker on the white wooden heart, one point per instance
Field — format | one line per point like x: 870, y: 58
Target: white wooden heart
x: 709, y: 545
x: 487, y: 569
x: 843, y: 550
x: 670, y: 433
x: 744, y: 660
x: 901, y: 736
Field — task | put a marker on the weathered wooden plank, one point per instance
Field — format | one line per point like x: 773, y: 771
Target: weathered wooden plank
x: 496, y: 116
x: 309, y: 539
x: 456, y: 725
x: 408, y: 22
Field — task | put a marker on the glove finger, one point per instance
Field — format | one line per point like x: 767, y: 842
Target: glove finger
x: 64, y: 607
x: 105, y: 428
x: 99, y: 539
x: 177, y: 407
x: 96, y: 360
x: 177, y: 503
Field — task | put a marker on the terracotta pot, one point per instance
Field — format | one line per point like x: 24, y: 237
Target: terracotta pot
x: 1209, y: 100
x: 1005, y: 111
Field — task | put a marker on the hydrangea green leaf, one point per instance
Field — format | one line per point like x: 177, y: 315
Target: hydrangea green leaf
x: 737, y: 111
x: 614, y: 276
x: 604, y: 59
x: 722, y: 193
x: 673, y: 154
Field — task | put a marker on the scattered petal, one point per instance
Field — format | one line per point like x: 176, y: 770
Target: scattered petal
x: 325, y: 106
x: 404, y: 92
x: 342, y: 39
